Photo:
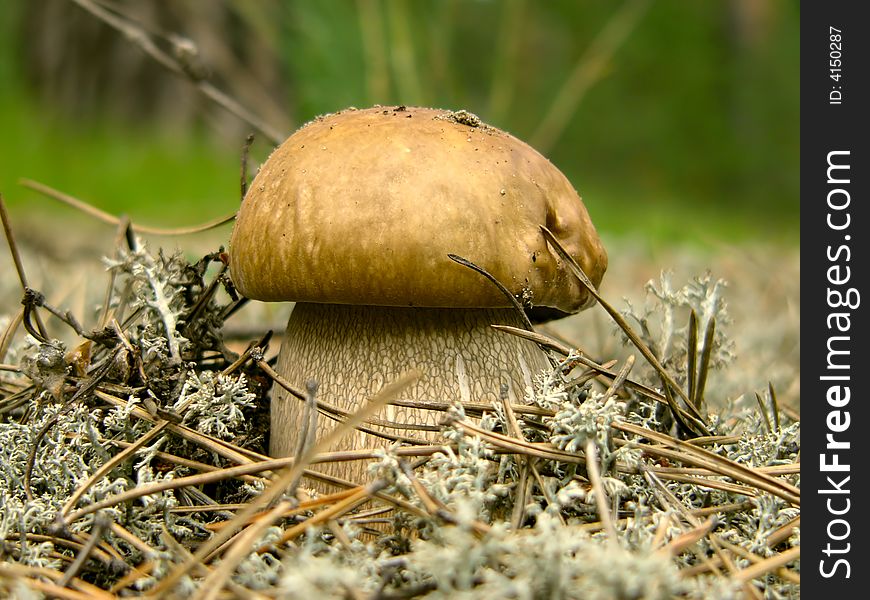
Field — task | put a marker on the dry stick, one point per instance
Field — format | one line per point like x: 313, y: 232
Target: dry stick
x: 720, y: 464
x: 331, y: 512
x: 9, y: 333
x: 101, y: 523
x: 527, y: 465
x: 474, y: 407
x: 546, y: 450
x: 623, y: 324
x: 587, y: 375
x: 667, y: 499
x: 682, y: 542
x: 204, y: 297
x: 601, y: 369
x: 221, y: 447
x: 620, y: 378
x: 105, y: 554
x: 301, y: 507
x: 11, y: 571
x: 518, y: 514
x: 112, y: 219
x: 251, y: 468
x: 34, y: 299
x: 768, y: 565
x: 308, y: 435
x: 600, y: 494
x: 215, y: 581
x: 288, y: 474
x: 16, y: 258
x: 735, y: 549
x: 762, y: 410
x: 436, y: 507
x: 107, y: 312
x: 109, y: 465
x: 140, y: 571
x: 259, y: 346
x: 136, y: 34
x: 480, y: 270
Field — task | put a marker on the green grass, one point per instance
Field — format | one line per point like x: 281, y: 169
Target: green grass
x: 688, y: 135
x: 156, y: 176
x: 166, y: 178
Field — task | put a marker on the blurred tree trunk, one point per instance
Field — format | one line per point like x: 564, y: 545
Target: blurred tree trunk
x: 84, y: 68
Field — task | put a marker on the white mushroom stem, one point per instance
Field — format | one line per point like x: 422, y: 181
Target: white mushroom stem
x: 353, y: 351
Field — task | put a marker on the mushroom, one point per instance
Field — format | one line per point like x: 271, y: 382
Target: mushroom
x: 353, y: 218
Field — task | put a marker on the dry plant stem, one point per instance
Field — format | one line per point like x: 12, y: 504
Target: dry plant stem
x: 774, y: 405
x: 332, y: 512
x: 436, y: 507
x: 301, y: 507
x: 287, y: 475
x: 474, y: 408
x: 16, y: 258
x: 623, y: 324
x: 109, y: 465
x: 259, y: 347
x: 214, y: 583
x: 768, y: 565
x: 679, y: 544
x: 103, y: 553
x: 101, y: 523
x: 183, y: 462
x: 205, y: 296
x: 515, y: 446
x: 119, y: 221
x: 480, y: 270
x: 524, y: 464
x: 136, y: 34
x: 600, y: 495
x: 719, y: 464
x: 604, y: 370
x: 9, y: 332
x: 35, y: 575
x: 241, y: 471
x: 620, y: 378
x: 669, y: 502
x: 34, y: 299
x: 308, y: 436
x: 224, y: 449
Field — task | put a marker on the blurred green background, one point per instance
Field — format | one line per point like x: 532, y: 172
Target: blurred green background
x: 675, y: 120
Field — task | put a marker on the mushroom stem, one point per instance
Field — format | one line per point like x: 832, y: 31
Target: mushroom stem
x: 353, y: 351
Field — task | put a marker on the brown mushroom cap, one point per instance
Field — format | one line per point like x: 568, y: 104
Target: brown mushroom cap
x: 363, y: 206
